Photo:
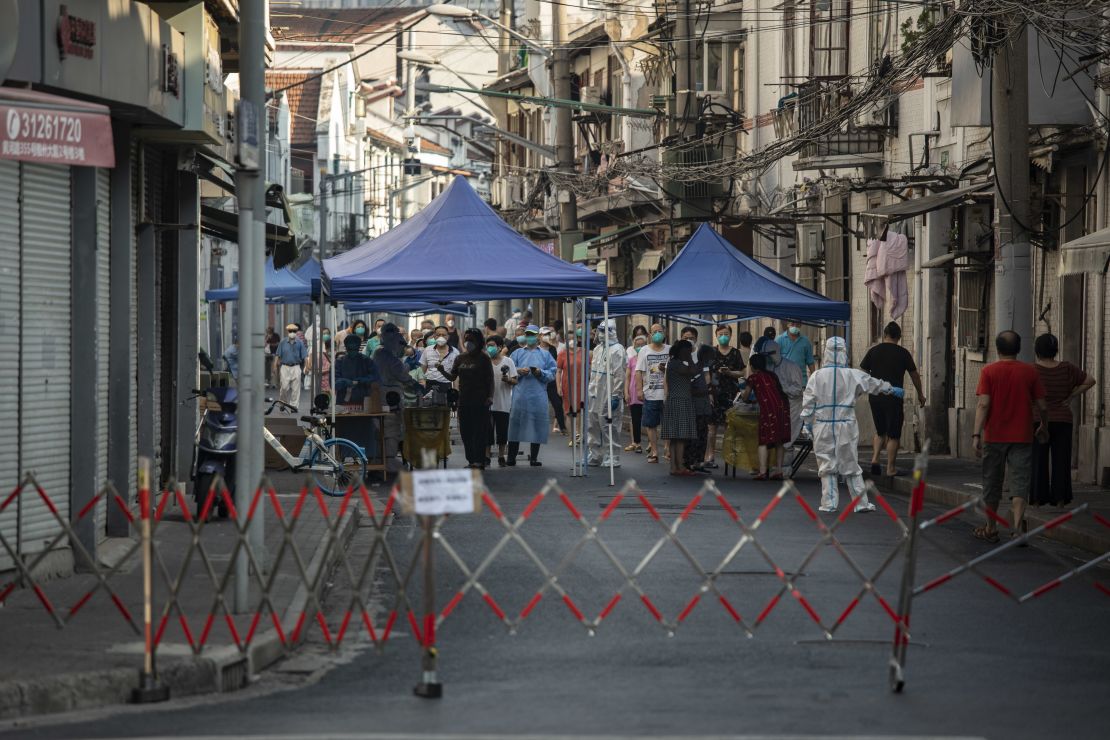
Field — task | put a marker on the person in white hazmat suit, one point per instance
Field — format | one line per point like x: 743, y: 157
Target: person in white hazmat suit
x: 829, y: 412
x: 608, y: 362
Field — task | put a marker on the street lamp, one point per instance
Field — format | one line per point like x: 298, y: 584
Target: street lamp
x: 426, y: 60
x: 461, y: 13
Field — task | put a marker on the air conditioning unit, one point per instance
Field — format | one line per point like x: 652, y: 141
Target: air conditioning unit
x: 810, y: 243
x: 590, y: 94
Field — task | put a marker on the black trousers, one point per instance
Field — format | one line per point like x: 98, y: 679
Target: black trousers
x: 474, y: 429
x: 533, y: 454
x: 637, y: 416
x: 499, y: 427
x: 557, y: 404
x: 1052, y: 466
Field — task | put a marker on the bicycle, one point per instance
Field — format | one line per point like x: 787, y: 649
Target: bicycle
x: 335, y: 463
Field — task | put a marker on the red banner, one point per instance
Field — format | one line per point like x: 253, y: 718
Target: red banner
x: 36, y: 127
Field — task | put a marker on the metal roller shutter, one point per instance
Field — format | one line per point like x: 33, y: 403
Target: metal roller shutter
x: 103, y: 332
x: 9, y: 329
x: 128, y: 485
x: 45, y: 371
x: 153, y: 195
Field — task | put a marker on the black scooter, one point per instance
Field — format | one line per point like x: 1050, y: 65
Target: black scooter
x: 215, y: 446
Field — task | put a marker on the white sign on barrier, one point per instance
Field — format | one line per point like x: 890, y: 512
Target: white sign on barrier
x: 437, y: 492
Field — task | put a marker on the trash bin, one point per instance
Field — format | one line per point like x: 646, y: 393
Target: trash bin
x: 427, y: 428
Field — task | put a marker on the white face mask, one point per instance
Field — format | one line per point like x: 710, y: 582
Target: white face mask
x: 292, y: 335
x: 450, y: 324
x: 441, y: 341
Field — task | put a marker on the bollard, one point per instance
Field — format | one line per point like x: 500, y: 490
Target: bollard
x: 429, y: 686
x: 150, y: 689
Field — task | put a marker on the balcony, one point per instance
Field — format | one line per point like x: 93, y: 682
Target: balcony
x: 858, y: 143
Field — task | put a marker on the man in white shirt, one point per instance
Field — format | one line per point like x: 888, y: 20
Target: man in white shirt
x: 650, y: 367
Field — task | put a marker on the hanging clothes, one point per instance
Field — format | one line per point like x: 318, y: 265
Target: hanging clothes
x: 892, y: 263
x: 876, y: 289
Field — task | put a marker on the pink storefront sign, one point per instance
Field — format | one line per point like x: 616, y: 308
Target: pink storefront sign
x: 50, y: 129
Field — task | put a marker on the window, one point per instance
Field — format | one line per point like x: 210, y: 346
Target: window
x: 736, y: 88
x: 829, y: 22
x: 880, y: 30
x: 838, y: 265
x: 710, y: 77
x: 971, y: 309
x: 789, y: 16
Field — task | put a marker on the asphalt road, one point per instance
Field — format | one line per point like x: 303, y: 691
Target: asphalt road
x: 979, y: 666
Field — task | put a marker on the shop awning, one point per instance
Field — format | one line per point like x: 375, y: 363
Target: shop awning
x: 587, y: 249
x: 926, y: 204
x: 225, y: 225
x: 50, y: 129
x: 1089, y: 253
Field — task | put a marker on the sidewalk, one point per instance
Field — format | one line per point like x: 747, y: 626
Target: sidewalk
x: 95, y: 659
x: 951, y: 482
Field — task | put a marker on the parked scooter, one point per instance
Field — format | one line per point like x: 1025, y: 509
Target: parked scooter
x: 215, y: 445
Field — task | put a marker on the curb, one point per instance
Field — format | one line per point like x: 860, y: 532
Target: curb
x: 1091, y: 541
x: 223, y: 669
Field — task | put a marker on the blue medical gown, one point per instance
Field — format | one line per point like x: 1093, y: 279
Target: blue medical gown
x: 528, y: 419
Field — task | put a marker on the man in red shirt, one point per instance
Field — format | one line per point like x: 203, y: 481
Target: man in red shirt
x: 1004, y: 427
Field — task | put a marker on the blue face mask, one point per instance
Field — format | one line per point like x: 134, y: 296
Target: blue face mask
x: 431, y: 342
x: 373, y: 344
x: 492, y: 350
x: 531, y: 340
x: 360, y: 330
x: 657, y: 337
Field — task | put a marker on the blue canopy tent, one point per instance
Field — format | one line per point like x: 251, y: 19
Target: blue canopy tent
x: 408, y: 308
x: 282, y: 286
x: 455, y: 249
x: 711, y: 277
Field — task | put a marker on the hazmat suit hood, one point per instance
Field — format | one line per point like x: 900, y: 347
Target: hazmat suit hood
x: 836, y: 353
x: 610, y: 331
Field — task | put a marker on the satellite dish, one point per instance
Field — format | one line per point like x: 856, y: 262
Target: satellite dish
x: 9, y: 35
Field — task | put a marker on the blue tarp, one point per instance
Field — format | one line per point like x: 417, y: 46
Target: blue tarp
x: 408, y: 308
x: 710, y: 276
x: 454, y: 249
x: 282, y: 286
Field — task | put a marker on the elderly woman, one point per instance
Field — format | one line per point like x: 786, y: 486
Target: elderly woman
x: 1062, y: 382
x: 528, y: 419
x: 774, y: 416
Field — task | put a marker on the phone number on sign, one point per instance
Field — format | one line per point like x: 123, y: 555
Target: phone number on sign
x: 43, y: 126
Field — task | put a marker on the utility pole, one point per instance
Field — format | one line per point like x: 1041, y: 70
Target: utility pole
x: 252, y: 311
x: 564, y: 133
x: 504, y: 47
x: 410, y: 135
x: 1013, y: 295
x: 321, y: 255
x: 685, y: 98
x: 499, y: 309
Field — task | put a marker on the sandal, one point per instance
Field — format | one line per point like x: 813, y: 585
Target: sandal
x: 759, y: 476
x: 630, y: 447
x: 653, y: 458
x: 987, y: 535
x: 775, y: 476
x: 1021, y: 531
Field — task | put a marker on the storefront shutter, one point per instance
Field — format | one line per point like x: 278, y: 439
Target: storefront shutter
x: 9, y: 329
x: 103, y: 332
x: 44, y: 345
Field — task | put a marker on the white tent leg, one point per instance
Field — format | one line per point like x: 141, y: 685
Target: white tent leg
x: 585, y: 420
x: 608, y: 387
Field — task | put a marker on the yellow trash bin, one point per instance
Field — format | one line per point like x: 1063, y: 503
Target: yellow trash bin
x: 427, y: 428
